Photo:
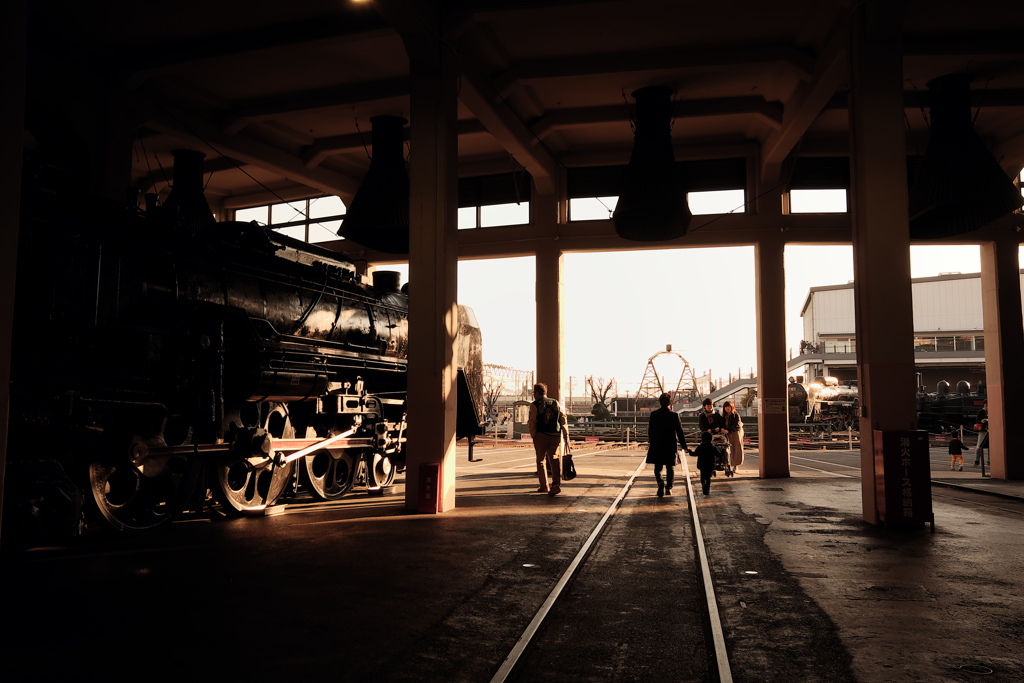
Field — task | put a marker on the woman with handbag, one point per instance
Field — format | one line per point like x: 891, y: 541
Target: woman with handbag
x: 663, y: 430
x: 734, y: 430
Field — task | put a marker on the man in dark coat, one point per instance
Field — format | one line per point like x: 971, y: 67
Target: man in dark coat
x: 663, y: 430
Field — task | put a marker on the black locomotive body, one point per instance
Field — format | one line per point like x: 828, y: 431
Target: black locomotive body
x: 948, y: 411
x: 162, y: 355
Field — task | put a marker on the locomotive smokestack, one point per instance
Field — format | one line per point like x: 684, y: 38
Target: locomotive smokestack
x: 379, y: 215
x: 652, y: 205
x: 186, y: 204
x: 961, y: 186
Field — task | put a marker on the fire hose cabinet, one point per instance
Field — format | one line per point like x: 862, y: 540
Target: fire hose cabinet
x: 903, y: 491
x: 428, y: 498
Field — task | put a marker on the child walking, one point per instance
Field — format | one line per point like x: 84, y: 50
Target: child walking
x: 956, y: 449
x: 706, y: 456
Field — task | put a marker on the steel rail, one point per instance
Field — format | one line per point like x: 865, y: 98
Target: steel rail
x: 715, y: 619
x: 524, y: 640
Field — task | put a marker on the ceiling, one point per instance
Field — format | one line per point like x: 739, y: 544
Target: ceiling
x: 279, y: 95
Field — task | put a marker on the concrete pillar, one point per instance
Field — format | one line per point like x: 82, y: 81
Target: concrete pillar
x: 1004, y: 351
x: 772, y: 385
x: 433, y: 266
x: 547, y: 211
x: 881, y: 249
x: 13, y: 56
x: 549, y: 318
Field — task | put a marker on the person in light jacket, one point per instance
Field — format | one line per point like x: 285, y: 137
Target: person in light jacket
x: 734, y: 430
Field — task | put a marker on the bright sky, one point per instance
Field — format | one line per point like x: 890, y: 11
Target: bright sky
x: 622, y: 308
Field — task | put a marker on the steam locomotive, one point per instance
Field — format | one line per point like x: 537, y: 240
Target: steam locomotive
x: 823, y: 399
x: 946, y: 411
x: 159, y: 356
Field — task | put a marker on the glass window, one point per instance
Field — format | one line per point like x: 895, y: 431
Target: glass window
x: 924, y: 344
x: 260, y: 214
x: 717, y: 201
x: 322, y: 207
x: 467, y: 218
x: 504, y: 214
x: 943, y: 343
x: 288, y: 212
x: 592, y: 208
x: 296, y: 231
x: 817, y: 201
x: 324, y: 232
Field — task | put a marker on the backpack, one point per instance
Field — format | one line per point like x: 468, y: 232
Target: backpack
x: 547, y: 416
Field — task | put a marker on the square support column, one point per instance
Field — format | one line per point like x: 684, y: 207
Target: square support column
x: 772, y: 386
x: 1004, y: 352
x: 881, y: 250
x: 549, y: 295
x: 13, y: 59
x: 433, y: 271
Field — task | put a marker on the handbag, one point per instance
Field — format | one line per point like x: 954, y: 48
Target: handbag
x: 978, y: 427
x: 568, y: 468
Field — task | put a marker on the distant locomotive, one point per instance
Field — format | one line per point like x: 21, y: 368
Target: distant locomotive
x: 946, y: 411
x: 823, y: 400
x: 160, y: 355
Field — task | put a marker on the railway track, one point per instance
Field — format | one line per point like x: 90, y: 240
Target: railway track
x: 715, y: 646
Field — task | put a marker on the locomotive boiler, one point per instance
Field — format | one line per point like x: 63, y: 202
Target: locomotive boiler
x: 162, y: 355
x: 823, y: 399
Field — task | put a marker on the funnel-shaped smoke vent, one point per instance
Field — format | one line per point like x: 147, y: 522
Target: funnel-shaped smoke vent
x: 652, y: 205
x: 960, y: 186
x: 378, y: 217
x: 186, y: 205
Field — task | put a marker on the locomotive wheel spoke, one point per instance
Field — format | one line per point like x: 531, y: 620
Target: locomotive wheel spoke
x: 240, y: 482
x: 138, y: 498
x: 330, y: 473
x: 238, y: 485
x: 380, y: 470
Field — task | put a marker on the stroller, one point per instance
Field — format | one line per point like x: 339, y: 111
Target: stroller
x: 723, y: 460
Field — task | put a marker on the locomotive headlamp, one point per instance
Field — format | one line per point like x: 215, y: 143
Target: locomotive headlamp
x: 960, y: 186
x: 652, y: 205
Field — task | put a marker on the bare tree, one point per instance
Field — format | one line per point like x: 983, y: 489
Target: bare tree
x: 599, y: 392
x: 492, y: 391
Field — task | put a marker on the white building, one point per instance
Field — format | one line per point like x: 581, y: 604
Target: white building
x: 949, y: 343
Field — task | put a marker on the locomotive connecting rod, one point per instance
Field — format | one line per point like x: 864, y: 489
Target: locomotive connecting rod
x: 317, y: 446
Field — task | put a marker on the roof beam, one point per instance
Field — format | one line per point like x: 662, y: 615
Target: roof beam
x: 242, y: 114
x: 321, y: 149
x: 795, y: 60
x: 203, y: 133
x: 809, y: 100
x: 769, y: 112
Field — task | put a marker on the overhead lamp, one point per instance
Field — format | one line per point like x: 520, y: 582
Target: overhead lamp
x: 652, y: 205
x: 378, y: 217
x: 186, y: 205
x: 960, y: 186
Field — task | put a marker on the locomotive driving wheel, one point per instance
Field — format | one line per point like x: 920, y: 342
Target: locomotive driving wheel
x: 136, y: 492
x: 380, y: 470
x: 247, y: 476
x: 330, y: 473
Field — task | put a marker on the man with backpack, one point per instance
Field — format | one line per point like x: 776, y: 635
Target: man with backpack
x: 547, y: 426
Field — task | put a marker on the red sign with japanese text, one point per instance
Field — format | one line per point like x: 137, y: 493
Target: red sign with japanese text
x: 903, y: 491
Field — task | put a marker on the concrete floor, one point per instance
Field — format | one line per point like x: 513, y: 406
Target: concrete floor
x: 362, y: 590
